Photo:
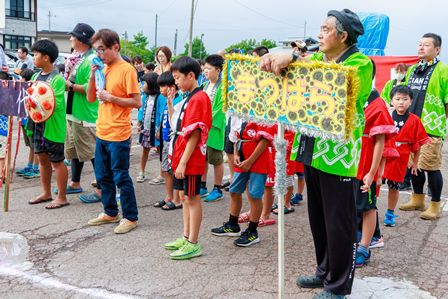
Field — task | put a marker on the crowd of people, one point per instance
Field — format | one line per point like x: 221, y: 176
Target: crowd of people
x: 397, y: 139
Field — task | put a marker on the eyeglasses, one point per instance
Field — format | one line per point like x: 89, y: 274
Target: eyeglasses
x: 100, y: 51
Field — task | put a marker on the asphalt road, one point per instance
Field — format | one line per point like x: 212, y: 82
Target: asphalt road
x: 69, y: 259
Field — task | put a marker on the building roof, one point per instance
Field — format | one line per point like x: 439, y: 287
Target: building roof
x: 52, y: 33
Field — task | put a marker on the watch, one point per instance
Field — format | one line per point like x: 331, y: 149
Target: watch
x: 70, y: 88
x: 295, y: 56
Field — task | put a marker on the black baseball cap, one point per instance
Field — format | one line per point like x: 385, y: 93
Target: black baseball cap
x: 83, y: 32
x: 351, y: 23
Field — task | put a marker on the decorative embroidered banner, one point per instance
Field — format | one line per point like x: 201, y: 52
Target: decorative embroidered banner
x: 315, y: 98
x: 12, y: 98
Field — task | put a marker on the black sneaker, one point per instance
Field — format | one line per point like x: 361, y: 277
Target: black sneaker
x: 247, y: 238
x: 227, y: 230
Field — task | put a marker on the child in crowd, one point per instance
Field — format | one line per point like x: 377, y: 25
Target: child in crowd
x: 268, y: 198
x: 167, y: 84
x: 152, y: 115
x: 411, y: 136
x: 378, y: 127
x: 32, y: 169
x: 251, y: 170
x: 3, y: 145
x: 191, y: 129
x: 149, y: 67
x: 3, y: 136
x: 300, y: 173
x: 49, y: 136
x: 215, y: 142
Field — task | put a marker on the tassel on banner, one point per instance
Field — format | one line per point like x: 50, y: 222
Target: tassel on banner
x: 280, y: 166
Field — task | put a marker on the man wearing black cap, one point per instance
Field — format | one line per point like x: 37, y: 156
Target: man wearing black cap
x: 330, y: 167
x: 81, y: 114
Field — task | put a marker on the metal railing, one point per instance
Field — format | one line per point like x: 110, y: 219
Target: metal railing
x: 20, y: 14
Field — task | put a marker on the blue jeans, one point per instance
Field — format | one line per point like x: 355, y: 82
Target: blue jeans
x: 111, y: 170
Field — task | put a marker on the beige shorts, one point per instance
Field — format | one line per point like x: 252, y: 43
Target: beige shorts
x: 431, y: 155
x: 3, y: 142
x: 80, y: 142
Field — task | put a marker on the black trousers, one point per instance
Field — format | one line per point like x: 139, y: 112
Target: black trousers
x: 435, y: 183
x: 332, y: 215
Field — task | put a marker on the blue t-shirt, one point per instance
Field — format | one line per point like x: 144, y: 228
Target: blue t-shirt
x: 3, y: 125
x: 166, y: 128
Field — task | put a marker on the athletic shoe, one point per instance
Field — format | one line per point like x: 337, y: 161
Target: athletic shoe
x: 177, y: 244
x: 24, y: 170
x: 296, y: 199
x: 188, y: 251
x: 389, y: 219
x: 33, y: 173
x: 362, y: 257
x: 204, y: 192
x: 227, y: 230
x: 376, y: 243
x: 247, y: 238
x: 141, y: 177
x: 215, y: 195
x: 125, y: 226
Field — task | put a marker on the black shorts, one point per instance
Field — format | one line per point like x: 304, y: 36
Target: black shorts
x: 191, y: 185
x: 393, y: 185
x: 228, y: 147
x: 54, y: 150
x: 365, y: 201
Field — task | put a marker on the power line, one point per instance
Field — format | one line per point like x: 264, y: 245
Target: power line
x: 266, y: 16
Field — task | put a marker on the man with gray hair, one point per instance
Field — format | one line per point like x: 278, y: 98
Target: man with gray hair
x: 331, y: 167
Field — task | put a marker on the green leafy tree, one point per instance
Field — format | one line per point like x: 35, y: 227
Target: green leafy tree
x: 268, y: 43
x: 198, y: 50
x: 138, y: 46
x: 245, y: 45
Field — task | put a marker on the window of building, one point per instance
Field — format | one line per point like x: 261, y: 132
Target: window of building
x: 13, y: 42
x: 19, y: 9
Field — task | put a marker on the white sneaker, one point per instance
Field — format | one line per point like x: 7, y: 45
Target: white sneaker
x: 141, y: 177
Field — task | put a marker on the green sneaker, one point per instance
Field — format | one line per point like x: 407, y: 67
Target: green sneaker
x: 175, y: 245
x: 188, y: 251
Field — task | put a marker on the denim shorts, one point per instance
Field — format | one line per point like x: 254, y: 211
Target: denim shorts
x: 253, y: 181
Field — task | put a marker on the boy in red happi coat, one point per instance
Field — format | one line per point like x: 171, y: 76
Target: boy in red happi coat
x: 411, y: 136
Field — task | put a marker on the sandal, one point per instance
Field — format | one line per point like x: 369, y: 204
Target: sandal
x: 285, y: 211
x: 37, y: 201
x: 171, y: 206
x: 53, y: 206
x: 91, y: 197
x: 157, y: 181
x: 274, y: 207
x: 243, y: 217
x: 262, y: 222
x: 69, y: 190
x: 160, y: 203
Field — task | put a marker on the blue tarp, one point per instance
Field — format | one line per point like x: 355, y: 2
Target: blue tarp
x: 376, y: 31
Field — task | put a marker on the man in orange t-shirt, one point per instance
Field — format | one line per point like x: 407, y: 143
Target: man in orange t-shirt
x: 113, y: 129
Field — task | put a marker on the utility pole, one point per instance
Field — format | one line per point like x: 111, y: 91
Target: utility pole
x: 202, y: 47
x: 175, y: 43
x: 190, y: 45
x: 49, y: 20
x: 155, y: 41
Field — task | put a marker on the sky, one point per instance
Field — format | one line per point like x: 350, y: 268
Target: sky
x: 229, y: 21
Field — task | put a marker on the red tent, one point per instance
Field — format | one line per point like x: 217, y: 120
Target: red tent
x: 385, y: 63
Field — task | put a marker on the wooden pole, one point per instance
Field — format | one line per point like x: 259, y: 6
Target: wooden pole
x: 281, y: 232
x: 8, y: 165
